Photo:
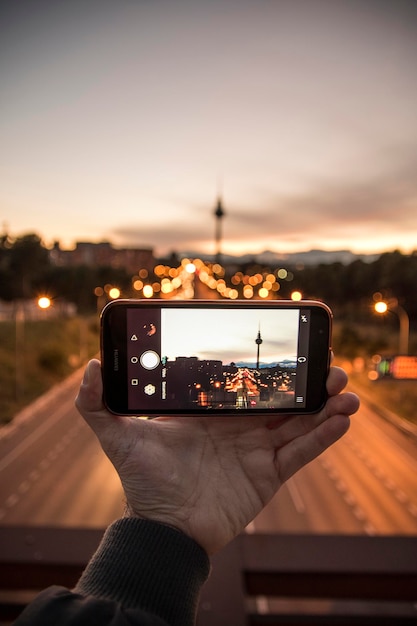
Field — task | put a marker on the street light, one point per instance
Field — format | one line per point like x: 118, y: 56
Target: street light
x: 381, y: 307
x: 392, y: 305
x: 148, y: 291
x: 114, y: 293
x: 103, y: 293
x: 44, y: 302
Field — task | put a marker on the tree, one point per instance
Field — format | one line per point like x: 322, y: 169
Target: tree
x: 23, y: 262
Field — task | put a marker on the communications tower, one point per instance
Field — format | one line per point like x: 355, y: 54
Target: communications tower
x: 219, y: 214
x: 258, y: 342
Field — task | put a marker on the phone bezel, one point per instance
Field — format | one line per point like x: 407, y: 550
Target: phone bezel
x: 113, y: 340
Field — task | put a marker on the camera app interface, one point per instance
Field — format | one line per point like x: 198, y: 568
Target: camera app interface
x: 201, y: 359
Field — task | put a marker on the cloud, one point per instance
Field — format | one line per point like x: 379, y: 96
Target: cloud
x: 340, y: 212
x: 169, y: 236
x: 383, y: 204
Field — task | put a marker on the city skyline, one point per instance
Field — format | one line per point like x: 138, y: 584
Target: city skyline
x: 127, y: 121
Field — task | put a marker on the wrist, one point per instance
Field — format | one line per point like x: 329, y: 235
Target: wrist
x: 129, y: 513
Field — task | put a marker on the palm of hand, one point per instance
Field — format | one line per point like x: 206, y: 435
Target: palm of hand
x: 209, y: 477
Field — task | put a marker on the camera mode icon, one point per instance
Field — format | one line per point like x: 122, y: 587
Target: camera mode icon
x: 150, y: 390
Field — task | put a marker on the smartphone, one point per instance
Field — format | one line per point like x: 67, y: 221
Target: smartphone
x: 166, y: 357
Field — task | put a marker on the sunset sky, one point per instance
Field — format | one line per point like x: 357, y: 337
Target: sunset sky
x: 229, y: 335
x: 122, y: 120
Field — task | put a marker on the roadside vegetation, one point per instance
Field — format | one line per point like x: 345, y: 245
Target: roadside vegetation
x: 52, y: 349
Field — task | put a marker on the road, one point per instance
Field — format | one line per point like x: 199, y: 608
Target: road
x: 52, y: 472
x: 366, y: 483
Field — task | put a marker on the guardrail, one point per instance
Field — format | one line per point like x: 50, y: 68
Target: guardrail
x: 257, y: 580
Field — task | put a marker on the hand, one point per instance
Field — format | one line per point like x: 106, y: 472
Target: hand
x: 210, y: 476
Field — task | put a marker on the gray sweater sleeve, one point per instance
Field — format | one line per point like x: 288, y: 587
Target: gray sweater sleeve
x: 143, y: 573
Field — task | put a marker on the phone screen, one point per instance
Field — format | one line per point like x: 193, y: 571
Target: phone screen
x: 164, y: 358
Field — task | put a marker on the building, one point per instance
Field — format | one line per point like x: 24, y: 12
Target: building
x: 103, y: 254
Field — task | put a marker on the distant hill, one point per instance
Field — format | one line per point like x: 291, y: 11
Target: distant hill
x: 310, y: 257
x: 286, y: 363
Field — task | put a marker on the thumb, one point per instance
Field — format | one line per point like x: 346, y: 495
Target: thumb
x: 114, y: 432
x: 90, y: 394
x: 89, y: 403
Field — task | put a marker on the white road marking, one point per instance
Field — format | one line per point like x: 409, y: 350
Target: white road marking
x: 35, y: 474
x: 12, y: 500
x: 295, y: 495
x: 28, y: 441
x: 380, y: 474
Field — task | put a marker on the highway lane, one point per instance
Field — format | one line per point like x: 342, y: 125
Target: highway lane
x: 52, y: 471
x: 366, y: 483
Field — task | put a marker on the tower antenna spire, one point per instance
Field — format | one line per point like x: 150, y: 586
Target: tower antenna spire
x: 258, y: 342
x: 219, y: 214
